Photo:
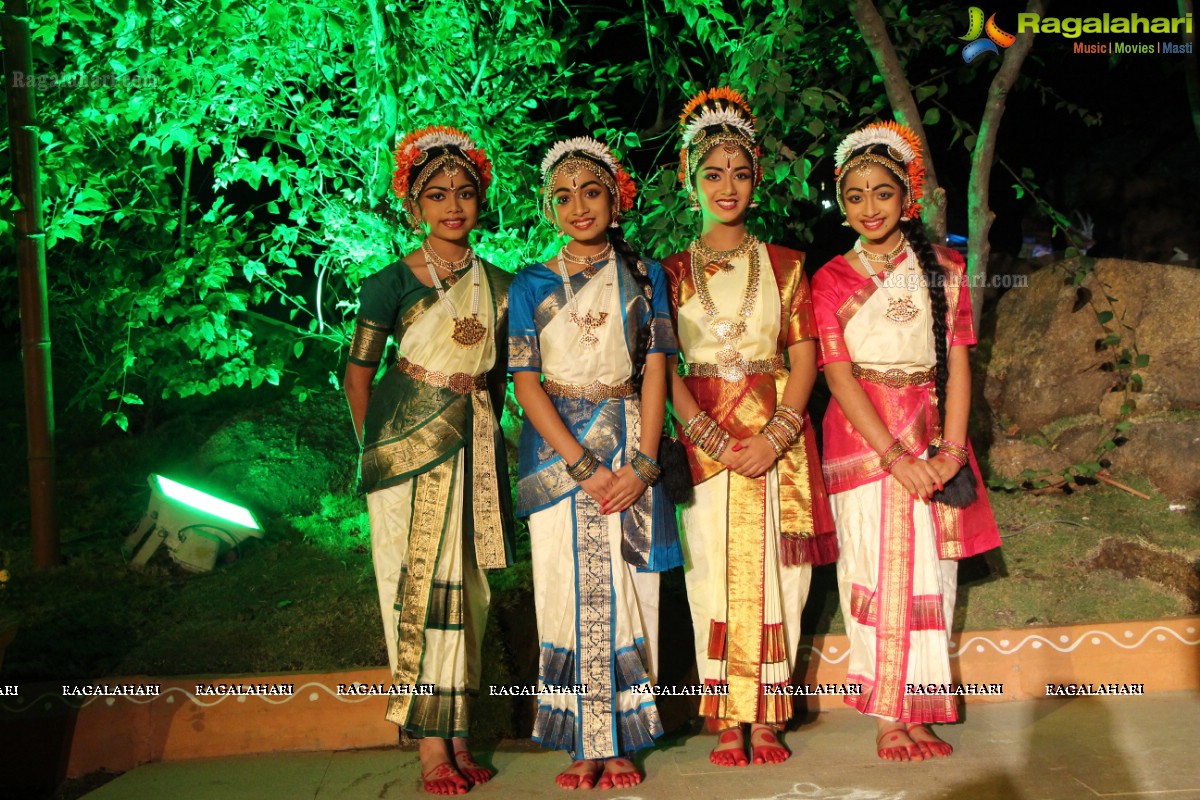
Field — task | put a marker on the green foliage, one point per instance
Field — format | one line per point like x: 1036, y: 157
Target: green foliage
x: 213, y: 203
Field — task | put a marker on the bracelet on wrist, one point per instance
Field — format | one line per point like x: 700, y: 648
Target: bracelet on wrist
x: 585, y: 467
x: 893, y: 454
x: 647, y: 469
x: 955, y: 452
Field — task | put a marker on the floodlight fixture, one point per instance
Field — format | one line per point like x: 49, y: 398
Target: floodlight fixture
x: 196, y: 526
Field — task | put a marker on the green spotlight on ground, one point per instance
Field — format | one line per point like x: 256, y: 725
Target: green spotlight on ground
x: 196, y: 526
x: 207, y: 503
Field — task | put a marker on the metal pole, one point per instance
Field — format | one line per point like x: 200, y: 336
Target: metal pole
x: 31, y: 272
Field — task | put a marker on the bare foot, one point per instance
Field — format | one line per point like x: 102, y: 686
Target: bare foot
x: 765, y: 747
x: 619, y: 772
x: 471, y: 769
x: 929, y: 743
x: 731, y: 748
x: 580, y: 775
x: 438, y: 775
x: 892, y: 743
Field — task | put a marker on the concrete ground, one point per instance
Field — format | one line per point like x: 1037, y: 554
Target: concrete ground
x: 1051, y: 749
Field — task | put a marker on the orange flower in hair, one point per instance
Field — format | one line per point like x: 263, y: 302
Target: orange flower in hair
x: 413, y: 149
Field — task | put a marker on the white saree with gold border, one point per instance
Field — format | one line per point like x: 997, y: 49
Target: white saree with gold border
x: 431, y: 534
x: 597, y: 614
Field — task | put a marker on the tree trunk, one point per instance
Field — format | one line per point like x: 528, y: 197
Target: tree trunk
x: 1192, y: 73
x: 979, y: 212
x: 378, y: 106
x: 31, y: 275
x: 904, y: 106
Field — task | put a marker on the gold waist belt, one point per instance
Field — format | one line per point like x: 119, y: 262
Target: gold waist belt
x: 735, y: 370
x: 458, y: 382
x: 593, y: 392
x: 894, y: 378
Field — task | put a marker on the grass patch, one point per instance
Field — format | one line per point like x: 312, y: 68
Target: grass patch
x: 304, y: 597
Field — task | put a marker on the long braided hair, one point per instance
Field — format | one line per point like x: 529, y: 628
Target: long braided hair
x: 622, y: 247
x: 935, y: 280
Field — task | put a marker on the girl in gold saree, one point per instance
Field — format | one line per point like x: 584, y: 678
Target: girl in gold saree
x: 760, y: 518
x: 433, y: 463
x: 894, y: 315
x: 589, y: 335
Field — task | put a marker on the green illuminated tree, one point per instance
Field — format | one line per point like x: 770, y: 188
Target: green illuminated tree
x: 216, y: 172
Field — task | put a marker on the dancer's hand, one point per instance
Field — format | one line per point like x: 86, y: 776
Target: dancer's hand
x: 734, y: 457
x: 759, y: 456
x: 946, y: 468
x: 598, y: 485
x: 623, y: 492
x: 917, y: 476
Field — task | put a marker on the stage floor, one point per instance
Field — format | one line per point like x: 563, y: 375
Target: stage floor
x: 1043, y: 749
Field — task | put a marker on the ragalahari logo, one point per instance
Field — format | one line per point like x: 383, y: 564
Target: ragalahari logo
x: 996, y: 39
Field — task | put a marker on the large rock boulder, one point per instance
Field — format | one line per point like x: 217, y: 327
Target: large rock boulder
x: 1167, y: 452
x: 1047, y: 362
x: 1009, y: 458
x: 282, y: 457
x: 1164, y: 449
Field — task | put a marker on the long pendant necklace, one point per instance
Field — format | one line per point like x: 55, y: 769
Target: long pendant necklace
x: 590, y: 321
x: 900, y: 310
x: 731, y: 365
x: 468, y: 331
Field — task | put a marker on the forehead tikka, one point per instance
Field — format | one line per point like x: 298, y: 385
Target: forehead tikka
x: 861, y: 166
x: 450, y: 163
x: 570, y: 167
x: 729, y: 141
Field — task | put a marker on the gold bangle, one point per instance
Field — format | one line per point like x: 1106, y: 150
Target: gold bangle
x: 893, y: 454
x: 585, y: 467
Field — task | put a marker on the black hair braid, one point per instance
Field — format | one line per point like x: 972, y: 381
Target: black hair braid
x: 935, y: 279
x: 622, y: 247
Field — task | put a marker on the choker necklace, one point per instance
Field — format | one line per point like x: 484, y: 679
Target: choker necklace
x: 468, y: 331
x: 888, y: 259
x: 731, y: 365
x: 722, y: 258
x: 589, y: 262
x: 590, y: 321
x: 445, y: 264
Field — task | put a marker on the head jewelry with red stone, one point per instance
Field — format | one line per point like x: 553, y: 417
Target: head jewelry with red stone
x: 422, y: 153
x: 584, y: 152
x: 892, y: 146
x: 711, y: 118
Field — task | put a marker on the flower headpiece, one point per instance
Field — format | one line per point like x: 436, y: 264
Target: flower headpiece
x: 715, y: 117
x: 584, y: 152
x: 901, y: 156
x: 422, y: 153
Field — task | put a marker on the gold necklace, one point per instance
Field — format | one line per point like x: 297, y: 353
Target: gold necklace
x: 590, y: 321
x: 887, y: 259
x: 900, y: 310
x: 731, y: 365
x: 589, y: 262
x: 445, y: 264
x: 722, y: 258
x: 468, y: 331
